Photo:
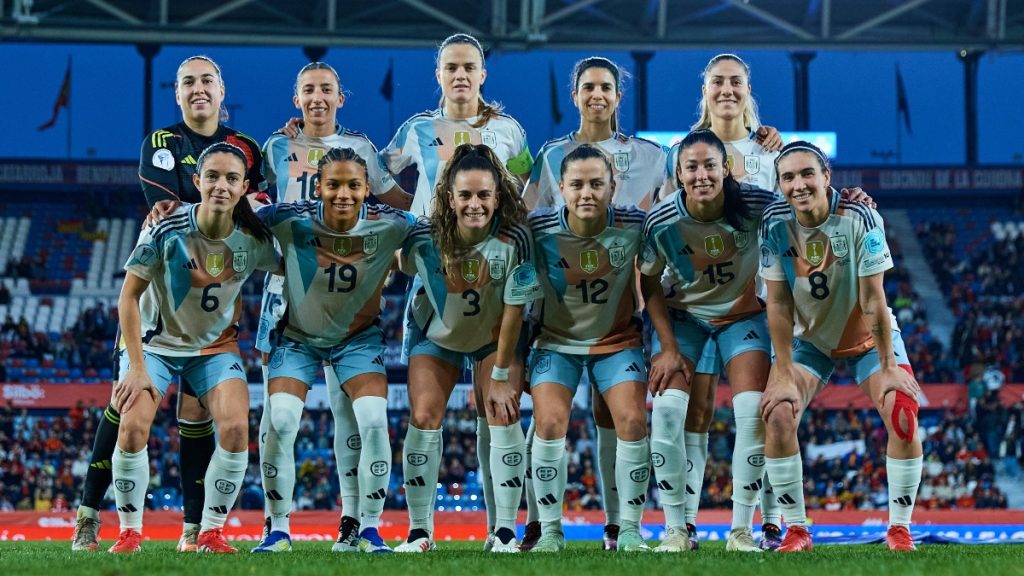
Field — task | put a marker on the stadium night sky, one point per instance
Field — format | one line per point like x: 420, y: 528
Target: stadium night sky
x: 852, y: 93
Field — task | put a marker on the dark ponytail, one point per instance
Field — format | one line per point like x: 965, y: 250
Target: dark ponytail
x: 735, y: 210
x: 242, y: 215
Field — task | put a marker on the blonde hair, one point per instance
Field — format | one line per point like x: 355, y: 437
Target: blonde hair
x: 486, y: 110
x: 511, y: 208
x: 750, y: 117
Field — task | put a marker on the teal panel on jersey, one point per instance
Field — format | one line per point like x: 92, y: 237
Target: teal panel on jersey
x: 305, y: 252
x: 180, y: 265
x: 429, y: 156
x: 675, y: 246
x: 550, y: 254
x: 279, y: 149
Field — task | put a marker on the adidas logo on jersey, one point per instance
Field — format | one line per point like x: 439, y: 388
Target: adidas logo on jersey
x: 190, y: 265
x: 189, y: 160
x: 751, y: 336
x: 292, y: 158
x: 436, y: 142
x: 563, y: 263
x: 791, y: 253
x: 315, y: 242
x: 633, y: 367
x: 685, y: 250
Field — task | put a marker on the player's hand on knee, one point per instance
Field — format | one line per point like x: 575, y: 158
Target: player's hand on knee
x: 664, y: 366
x: 781, y: 389
x: 128, y: 391
x: 502, y: 402
x: 897, y: 379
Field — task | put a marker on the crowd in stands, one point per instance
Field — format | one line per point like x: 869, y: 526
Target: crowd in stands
x: 986, y: 294
x: 44, y: 458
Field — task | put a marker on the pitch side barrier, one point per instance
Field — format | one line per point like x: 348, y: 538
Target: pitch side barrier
x: 839, y: 527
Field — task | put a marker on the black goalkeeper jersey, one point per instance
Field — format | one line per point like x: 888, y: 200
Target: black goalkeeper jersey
x: 168, y: 161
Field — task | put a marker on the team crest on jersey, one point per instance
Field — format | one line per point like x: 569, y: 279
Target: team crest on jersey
x: 714, y: 245
x: 239, y: 261
x: 815, y: 251
x: 617, y: 256
x: 589, y: 261
x: 215, y: 264
x: 621, y: 161
x: 741, y: 238
x: 342, y: 246
x: 470, y: 270
x: 840, y: 246
x: 370, y: 244
x: 463, y: 137
x: 314, y: 155
x: 751, y: 163
x: 496, y: 268
x: 489, y: 138
x: 163, y: 159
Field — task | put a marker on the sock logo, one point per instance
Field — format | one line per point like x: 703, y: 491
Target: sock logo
x: 689, y: 490
x: 379, y: 468
x: 416, y: 459
x: 127, y: 508
x: 657, y: 459
x: 378, y: 495
x: 664, y: 485
x: 354, y: 442
x: 638, y: 501
x: 269, y: 470
x: 218, y: 509
x: 225, y: 486
x: 640, y: 474
x: 689, y: 465
x: 417, y: 481
x: 903, y: 500
x: 352, y: 473
x: 529, y: 473
x: 754, y: 486
x: 548, y: 500
x: 124, y: 485
x: 756, y: 460
x: 512, y: 459
x: 513, y: 483
x: 273, y: 495
x: 786, y: 499
x: 547, y: 473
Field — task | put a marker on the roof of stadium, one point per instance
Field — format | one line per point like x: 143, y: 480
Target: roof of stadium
x: 971, y: 25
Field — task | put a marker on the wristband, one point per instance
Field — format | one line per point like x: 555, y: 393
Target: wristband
x: 499, y: 373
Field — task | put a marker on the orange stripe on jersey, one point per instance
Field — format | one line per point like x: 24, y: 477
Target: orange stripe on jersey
x: 856, y: 339
x: 228, y: 339
x: 745, y: 306
x: 165, y: 189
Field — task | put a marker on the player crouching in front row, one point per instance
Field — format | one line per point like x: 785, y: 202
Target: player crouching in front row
x: 179, y: 312
x: 823, y: 259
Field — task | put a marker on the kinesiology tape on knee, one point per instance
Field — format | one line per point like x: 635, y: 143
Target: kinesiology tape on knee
x: 904, y: 405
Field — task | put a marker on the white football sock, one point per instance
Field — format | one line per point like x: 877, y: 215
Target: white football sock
x: 131, y: 479
x: 668, y: 453
x: 374, y: 458
x: 222, y: 483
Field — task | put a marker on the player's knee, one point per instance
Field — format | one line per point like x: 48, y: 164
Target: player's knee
x: 780, y: 421
x: 551, y: 426
x: 632, y: 426
x: 233, y: 432
x: 285, y: 414
x: 425, y: 417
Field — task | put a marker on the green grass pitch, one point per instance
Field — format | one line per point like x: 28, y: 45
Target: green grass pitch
x: 465, y: 558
